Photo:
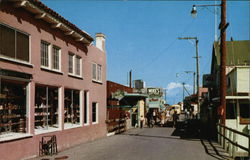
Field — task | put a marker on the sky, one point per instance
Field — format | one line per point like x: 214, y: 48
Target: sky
x: 142, y: 36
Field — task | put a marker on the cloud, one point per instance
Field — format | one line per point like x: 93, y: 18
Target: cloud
x: 174, y: 88
x: 173, y: 85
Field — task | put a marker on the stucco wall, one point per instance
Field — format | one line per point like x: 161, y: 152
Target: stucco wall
x: 39, y: 30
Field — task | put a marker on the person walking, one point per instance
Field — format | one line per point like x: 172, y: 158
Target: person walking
x: 175, y: 119
x: 141, y: 121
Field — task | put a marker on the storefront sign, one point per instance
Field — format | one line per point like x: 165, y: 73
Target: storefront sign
x: 154, y: 92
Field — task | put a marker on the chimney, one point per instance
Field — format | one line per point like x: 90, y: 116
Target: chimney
x: 100, y: 41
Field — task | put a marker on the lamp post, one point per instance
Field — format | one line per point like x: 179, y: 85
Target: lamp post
x: 197, y: 68
x: 222, y: 27
x: 193, y: 79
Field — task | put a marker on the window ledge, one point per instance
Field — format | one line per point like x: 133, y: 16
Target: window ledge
x: 94, y: 123
x: 16, y: 61
x: 75, y: 76
x: 14, y: 136
x: 86, y: 124
x: 51, y: 70
x: 42, y: 131
x: 96, y: 81
x: 70, y: 125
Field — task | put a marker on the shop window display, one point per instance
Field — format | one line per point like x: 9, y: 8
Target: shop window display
x: 46, y: 108
x: 71, y: 107
x: 12, y: 108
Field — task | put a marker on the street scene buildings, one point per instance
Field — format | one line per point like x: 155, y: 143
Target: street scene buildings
x: 57, y: 100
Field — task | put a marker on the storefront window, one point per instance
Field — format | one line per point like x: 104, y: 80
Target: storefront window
x: 244, y: 113
x: 71, y: 107
x: 12, y: 108
x: 46, y: 108
x: 94, y: 112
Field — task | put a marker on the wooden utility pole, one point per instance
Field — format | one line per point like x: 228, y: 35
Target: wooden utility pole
x: 198, y: 75
x: 223, y: 52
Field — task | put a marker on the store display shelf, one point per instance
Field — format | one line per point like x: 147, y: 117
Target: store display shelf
x: 11, y: 116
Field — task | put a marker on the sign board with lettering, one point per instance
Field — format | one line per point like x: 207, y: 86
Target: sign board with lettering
x: 154, y: 92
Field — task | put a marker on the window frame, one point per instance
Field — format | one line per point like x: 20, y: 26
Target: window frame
x: 242, y: 119
x: 29, y: 48
x: 68, y: 125
x: 11, y: 135
x: 59, y: 58
x: 86, y: 107
x: 48, y: 128
x: 50, y: 66
x: 96, y: 112
x: 74, y: 67
x: 49, y: 45
x: 97, y: 72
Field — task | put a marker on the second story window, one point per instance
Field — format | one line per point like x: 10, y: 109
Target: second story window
x: 50, y: 56
x: 78, y: 66
x: 99, y: 72
x: 56, y: 58
x: 96, y: 72
x: 71, y: 56
x: 14, y: 44
x: 45, y: 54
x: 74, y: 65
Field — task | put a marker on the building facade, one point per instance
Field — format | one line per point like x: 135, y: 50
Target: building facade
x: 238, y: 95
x: 53, y: 80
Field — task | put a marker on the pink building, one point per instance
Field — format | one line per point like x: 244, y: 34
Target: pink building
x: 52, y: 80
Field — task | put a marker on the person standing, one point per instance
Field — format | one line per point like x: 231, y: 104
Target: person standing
x: 141, y: 121
x: 175, y: 118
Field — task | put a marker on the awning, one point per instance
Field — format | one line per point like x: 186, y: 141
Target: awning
x: 132, y: 99
x: 135, y: 95
x: 231, y: 97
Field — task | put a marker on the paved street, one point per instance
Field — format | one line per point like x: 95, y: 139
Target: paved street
x: 147, y: 144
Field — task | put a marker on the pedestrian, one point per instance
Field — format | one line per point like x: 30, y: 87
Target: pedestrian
x: 141, y: 121
x: 175, y: 119
x: 148, y: 119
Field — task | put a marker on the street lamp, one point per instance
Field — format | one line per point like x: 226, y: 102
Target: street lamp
x: 222, y: 27
x: 197, y: 68
x: 194, y: 12
x: 194, y: 9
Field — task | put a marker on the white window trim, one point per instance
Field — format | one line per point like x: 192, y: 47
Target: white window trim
x: 97, y: 115
x: 96, y: 80
x: 87, y: 108
x: 15, y: 60
x: 72, y: 125
x: 59, y: 57
x: 16, y: 135
x: 49, y: 129
x: 50, y: 58
x: 73, y: 74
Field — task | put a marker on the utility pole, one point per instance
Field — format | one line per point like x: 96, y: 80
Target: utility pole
x: 130, y: 78
x: 197, y: 69
x: 223, y: 86
x: 193, y: 79
x: 183, y: 84
x: 198, y: 75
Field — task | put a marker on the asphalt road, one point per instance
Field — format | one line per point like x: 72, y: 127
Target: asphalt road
x: 145, y: 144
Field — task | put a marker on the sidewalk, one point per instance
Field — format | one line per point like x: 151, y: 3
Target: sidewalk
x: 159, y: 143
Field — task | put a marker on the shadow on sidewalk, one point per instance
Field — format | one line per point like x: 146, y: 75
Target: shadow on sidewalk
x: 214, y: 150
x: 190, y: 129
